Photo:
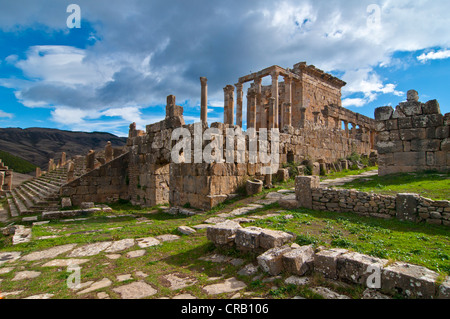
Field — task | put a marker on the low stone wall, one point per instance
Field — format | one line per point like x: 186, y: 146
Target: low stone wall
x: 107, y: 183
x: 411, y: 207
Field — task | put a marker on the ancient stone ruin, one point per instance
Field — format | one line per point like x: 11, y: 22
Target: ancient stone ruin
x: 413, y: 137
x: 6, y: 179
x: 305, y: 107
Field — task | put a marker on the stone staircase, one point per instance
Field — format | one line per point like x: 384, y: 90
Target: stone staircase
x: 37, y: 195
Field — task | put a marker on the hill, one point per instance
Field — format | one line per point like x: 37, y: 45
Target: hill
x: 16, y: 163
x: 38, y: 145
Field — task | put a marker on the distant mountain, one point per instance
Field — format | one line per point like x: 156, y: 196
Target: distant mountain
x: 38, y: 145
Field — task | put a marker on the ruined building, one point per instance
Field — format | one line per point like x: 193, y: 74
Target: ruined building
x: 305, y: 107
x: 6, y: 178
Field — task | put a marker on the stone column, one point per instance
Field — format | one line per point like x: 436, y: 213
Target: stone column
x: 70, y: 171
x: 346, y: 128
x: 251, y: 109
x: 259, y: 105
x: 228, y: 117
x: 109, y: 155
x: 8, y: 180
x: 38, y: 172
x: 337, y: 121
x: 90, y: 160
x: 2, y: 180
x: 302, y: 116
x: 204, y: 100
x: 63, y: 159
x: 239, y: 101
x: 51, y: 164
x: 286, y: 117
x: 272, y: 117
x: 288, y: 114
x: 275, y: 96
x: 303, y: 189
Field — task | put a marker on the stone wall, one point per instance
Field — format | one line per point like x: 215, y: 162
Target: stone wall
x: 107, y: 183
x: 409, y: 207
x: 413, y: 137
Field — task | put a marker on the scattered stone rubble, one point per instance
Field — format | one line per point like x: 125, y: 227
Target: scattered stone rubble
x: 338, y: 264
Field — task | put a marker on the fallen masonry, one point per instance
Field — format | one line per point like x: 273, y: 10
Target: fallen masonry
x: 280, y: 255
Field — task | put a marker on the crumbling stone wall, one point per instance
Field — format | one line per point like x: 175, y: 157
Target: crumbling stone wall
x: 107, y: 183
x: 408, y: 207
x: 413, y: 137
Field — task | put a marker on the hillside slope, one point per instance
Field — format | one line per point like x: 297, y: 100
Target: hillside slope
x: 38, y: 145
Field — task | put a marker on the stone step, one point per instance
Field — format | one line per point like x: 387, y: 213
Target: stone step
x: 46, y: 186
x: 12, y: 208
x: 21, y: 207
x: 40, y: 194
x: 25, y: 200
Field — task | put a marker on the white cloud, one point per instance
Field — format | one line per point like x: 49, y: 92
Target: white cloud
x: 434, y: 55
x: 6, y: 115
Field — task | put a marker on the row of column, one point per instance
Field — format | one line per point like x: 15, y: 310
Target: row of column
x: 257, y: 114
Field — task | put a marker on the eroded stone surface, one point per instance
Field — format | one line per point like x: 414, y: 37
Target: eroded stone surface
x: 135, y: 290
x: 9, y: 257
x: 65, y: 262
x: 167, y: 237
x: 147, y: 242
x: 105, y: 282
x: 120, y: 245
x: 90, y: 250
x: 22, y: 275
x: 230, y: 285
x: 49, y: 253
x: 177, y: 281
x: 328, y: 294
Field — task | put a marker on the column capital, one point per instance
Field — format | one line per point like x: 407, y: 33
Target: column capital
x: 229, y: 88
x: 258, y: 81
x: 203, y: 80
x: 239, y: 86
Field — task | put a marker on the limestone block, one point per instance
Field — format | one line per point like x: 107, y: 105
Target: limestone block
x: 66, y: 202
x: 410, y: 280
x: 248, y: 238
x: 444, y: 289
x: 445, y: 145
x: 283, y: 175
x: 383, y: 113
x: 425, y: 145
x: 392, y: 124
x: 409, y: 159
x: 431, y: 107
x: 325, y: 261
x: 272, y: 260
x: 254, y: 186
x: 404, y: 123
x: 299, y: 261
x: 303, y: 186
x: 410, y: 108
x: 427, y: 120
x: 316, y: 169
x: 442, y: 132
x: 406, y: 207
x: 389, y: 147
x: 222, y: 233
x: 272, y: 238
x: 356, y: 268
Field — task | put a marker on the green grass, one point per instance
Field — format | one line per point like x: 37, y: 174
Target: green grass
x: 348, y: 172
x: 421, y: 244
x: 16, y: 163
x: 427, y: 184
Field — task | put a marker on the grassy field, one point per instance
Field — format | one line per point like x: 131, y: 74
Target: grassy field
x: 421, y: 244
x: 427, y: 184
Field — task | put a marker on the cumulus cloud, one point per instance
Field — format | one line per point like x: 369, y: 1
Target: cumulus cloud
x: 6, y: 115
x: 434, y: 55
x: 146, y: 50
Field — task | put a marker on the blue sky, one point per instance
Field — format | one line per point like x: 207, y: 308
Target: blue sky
x: 128, y: 56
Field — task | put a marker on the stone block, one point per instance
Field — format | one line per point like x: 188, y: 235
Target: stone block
x: 389, y: 147
x: 283, y: 175
x: 66, y: 202
x: 222, y: 233
x: 316, y: 169
x: 392, y: 124
x: 409, y: 159
x: 404, y: 123
x: 303, y: 186
x: 383, y: 113
x: 431, y: 107
x: 325, y: 261
x: 406, y: 207
x: 410, y: 280
x: 413, y: 133
x: 272, y: 238
x: 425, y: 145
x: 357, y: 268
x: 272, y: 260
x: 254, y: 186
x: 442, y: 132
x: 248, y: 238
x: 445, y: 145
x: 427, y: 120
x: 298, y: 261
x: 444, y: 289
